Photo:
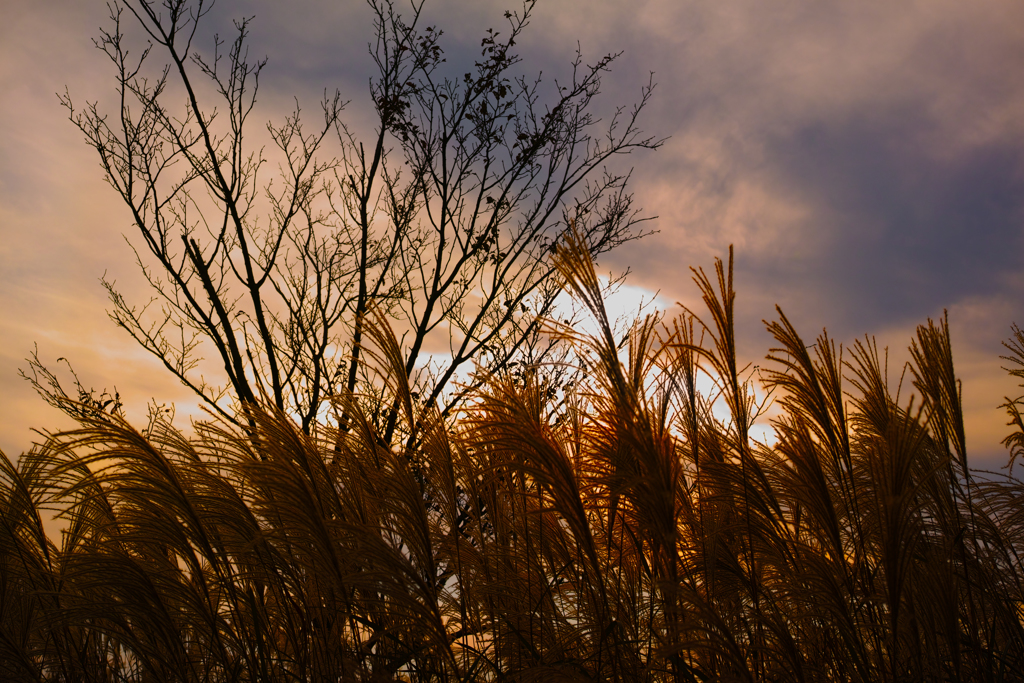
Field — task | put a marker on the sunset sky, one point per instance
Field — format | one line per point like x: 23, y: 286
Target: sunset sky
x: 865, y: 157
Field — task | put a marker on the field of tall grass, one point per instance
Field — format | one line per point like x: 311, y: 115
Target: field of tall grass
x: 613, y: 529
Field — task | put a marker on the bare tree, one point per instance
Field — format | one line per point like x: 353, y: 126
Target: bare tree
x: 445, y: 220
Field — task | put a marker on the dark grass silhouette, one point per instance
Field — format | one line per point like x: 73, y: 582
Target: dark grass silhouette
x: 614, y: 531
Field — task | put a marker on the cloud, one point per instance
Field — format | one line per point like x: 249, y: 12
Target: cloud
x: 866, y: 158
x: 869, y: 156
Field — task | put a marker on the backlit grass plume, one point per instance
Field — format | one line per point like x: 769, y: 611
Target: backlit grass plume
x: 614, y: 529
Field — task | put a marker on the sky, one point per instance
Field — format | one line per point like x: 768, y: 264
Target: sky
x: 864, y: 157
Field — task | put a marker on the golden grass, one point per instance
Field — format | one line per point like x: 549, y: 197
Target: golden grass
x: 616, y: 532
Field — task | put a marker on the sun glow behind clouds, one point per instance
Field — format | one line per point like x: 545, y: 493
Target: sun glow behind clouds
x: 626, y: 305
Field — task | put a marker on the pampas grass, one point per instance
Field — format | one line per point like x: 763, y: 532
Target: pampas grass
x: 617, y: 530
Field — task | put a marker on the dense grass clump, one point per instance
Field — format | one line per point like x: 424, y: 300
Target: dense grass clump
x: 614, y: 529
